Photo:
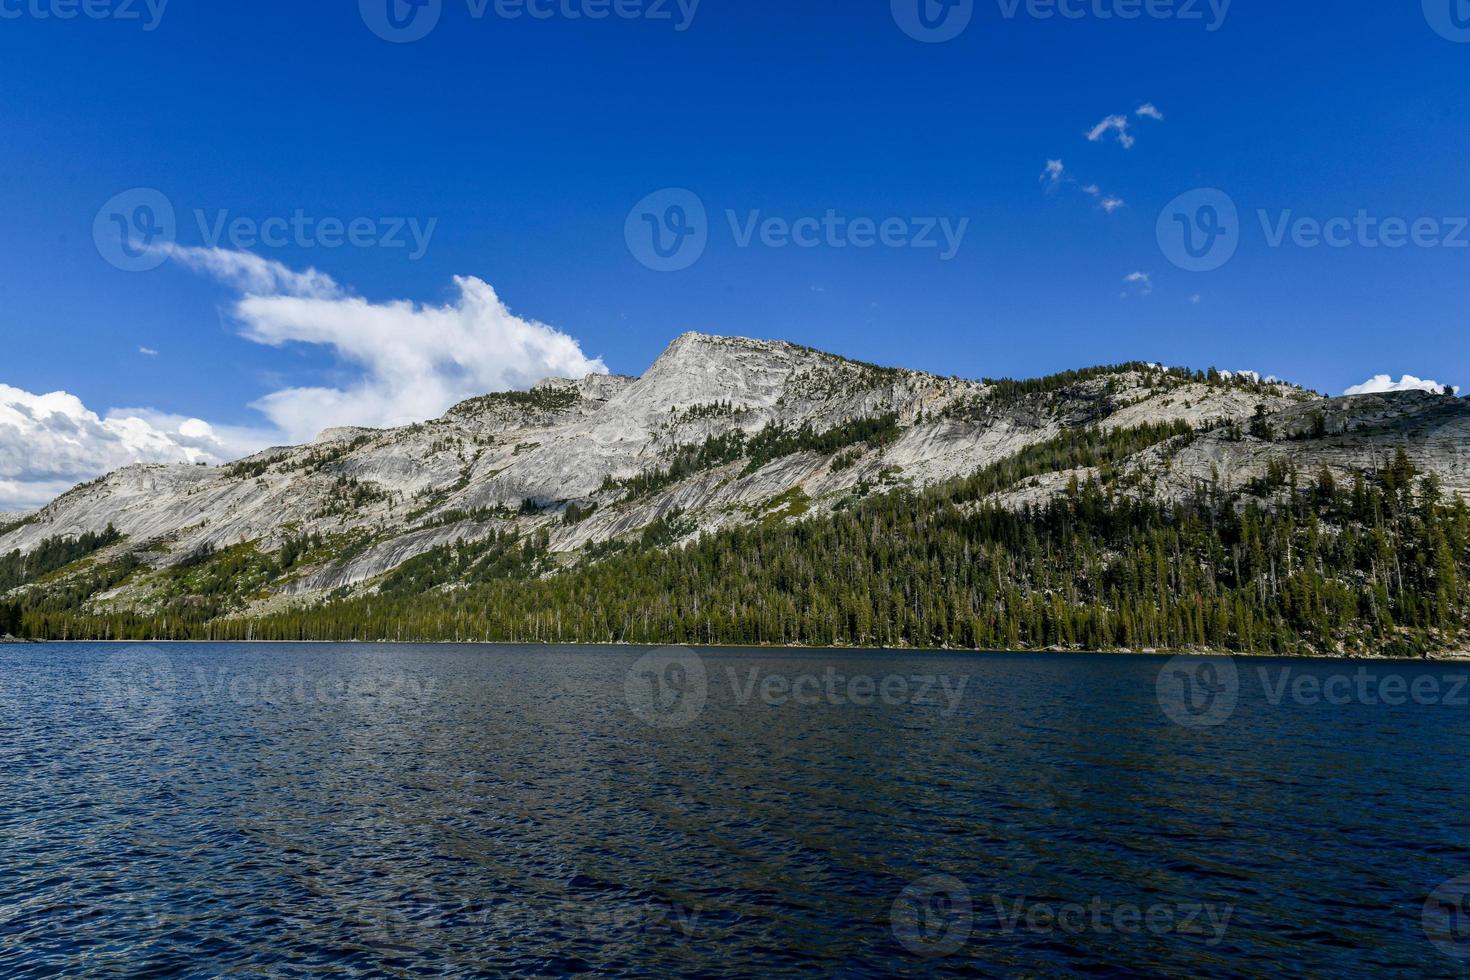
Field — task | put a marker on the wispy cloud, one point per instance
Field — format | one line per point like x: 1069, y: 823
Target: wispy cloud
x: 1120, y: 126
x: 1055, y: 175
x: 1117, y: 125
x: 147, y: 352
x: 1137, y: 283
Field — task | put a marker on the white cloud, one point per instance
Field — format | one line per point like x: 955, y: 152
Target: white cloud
x: 49, y: 443
x: 147, y: 352
x: 1053, y: 174
x: 413, y: 361
x: 409, y: 362
x: 1140, y: 283
x: 1380, y: 383
x: 1149, y: 111
x: 1056, y: 175
x: 1112, y: 124
x: 1195, y: 298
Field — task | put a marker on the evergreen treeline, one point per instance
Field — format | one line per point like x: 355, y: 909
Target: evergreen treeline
x: 51, y: 554
x: 1380, y: 566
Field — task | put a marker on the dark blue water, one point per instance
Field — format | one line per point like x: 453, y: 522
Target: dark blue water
x: 196, y: 810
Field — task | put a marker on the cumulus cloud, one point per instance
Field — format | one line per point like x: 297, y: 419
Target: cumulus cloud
x: 405, y: 362
x: 413, y: 361
x: 50, y: 442
x: 1380, y: 383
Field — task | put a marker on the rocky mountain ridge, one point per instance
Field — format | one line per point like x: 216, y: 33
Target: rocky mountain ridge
x: 719, y: 432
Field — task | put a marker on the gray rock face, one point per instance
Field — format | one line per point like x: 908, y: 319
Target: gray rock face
x: 515, y: 461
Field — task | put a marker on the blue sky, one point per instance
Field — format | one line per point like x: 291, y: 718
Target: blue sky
x: 523, y: 143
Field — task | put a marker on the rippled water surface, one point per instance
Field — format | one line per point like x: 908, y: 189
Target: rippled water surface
x: 412, y: 810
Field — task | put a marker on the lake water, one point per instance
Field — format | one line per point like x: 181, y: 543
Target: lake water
x: 203, y: 809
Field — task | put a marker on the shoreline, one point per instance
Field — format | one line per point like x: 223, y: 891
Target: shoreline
x: 1459, y: 657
